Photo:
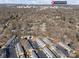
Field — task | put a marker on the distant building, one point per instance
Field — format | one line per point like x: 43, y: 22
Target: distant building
x: 59, y: 2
